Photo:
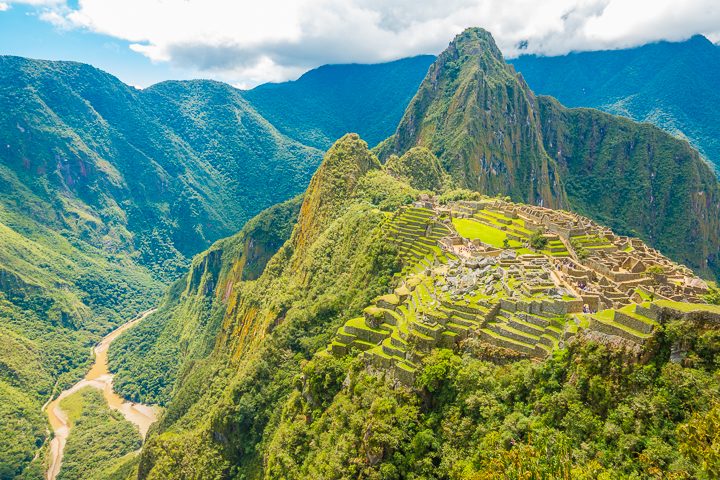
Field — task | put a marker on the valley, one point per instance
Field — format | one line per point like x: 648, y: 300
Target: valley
x: 480, y: 282
x: 100, y: 378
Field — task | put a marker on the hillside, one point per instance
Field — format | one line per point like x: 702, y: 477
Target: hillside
x: 670, y: 84
x: 143, y: 170
x: 392, y: 336
x: 492, y: 134
x: 430, y: 308
x: 108, y: 191
x: 327, y: 102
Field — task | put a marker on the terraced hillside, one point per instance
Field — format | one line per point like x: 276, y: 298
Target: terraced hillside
x: 525, y: 280
x: 402, y: 334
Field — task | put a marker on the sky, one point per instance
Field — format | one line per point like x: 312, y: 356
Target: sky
x: 246, y: 43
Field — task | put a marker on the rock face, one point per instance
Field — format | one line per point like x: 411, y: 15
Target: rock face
x: 492, y: 134
x: 480, y: 118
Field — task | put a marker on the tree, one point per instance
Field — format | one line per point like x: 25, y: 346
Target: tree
x: 537, y: 240
x: 712, y: 296
x: 700, y: 440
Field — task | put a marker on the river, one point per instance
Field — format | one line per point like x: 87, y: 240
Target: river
x: 99, y: 377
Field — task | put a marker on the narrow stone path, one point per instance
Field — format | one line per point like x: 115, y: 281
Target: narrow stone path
x: 99, y: 377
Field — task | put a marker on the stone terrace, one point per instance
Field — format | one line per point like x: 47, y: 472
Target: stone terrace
x: 469, y: 272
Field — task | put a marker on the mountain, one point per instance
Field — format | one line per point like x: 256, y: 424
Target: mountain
x: 637, y: 179
x: 364, y: 328
x: 481, y: 120
x: 394, y: 335
x: 144, y: 170
x: 106, y: 193
x: 670, y: 84
x: 492, y: 134
x: 327, y: 102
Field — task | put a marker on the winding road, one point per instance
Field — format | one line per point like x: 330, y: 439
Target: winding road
x: 99, y: 377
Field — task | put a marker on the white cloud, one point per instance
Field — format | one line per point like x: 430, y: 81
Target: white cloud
x: 4, y: 6
x: 250, y: 42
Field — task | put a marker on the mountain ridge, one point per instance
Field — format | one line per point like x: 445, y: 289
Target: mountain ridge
x: 494, y: 135
x: 469, y: 110
x: 669, y: 84
x: 282, y: 394
x: 106, y: 192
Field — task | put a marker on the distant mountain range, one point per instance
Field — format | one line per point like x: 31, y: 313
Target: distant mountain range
x: 673, y: 85
x: 329, y: 101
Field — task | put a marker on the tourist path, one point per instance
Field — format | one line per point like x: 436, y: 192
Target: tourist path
x: 99, y: 377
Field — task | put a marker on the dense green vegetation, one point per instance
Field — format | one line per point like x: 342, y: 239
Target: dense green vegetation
x: 672, y: 85
x: 100, y: 438
x: 661, y: 191
x: 140, y: 170
x: 147, y: 359
x: 23, y: 430
x: 327, y: 102
x: 268, y: 402
x: 57, y: 298
x: 107, y: 191
x: 334, y: 262
x: 419, y: 168
x: 588, y: 412
x: 492, y: 134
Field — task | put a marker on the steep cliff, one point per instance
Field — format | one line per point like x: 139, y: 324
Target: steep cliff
x: 481, y: 120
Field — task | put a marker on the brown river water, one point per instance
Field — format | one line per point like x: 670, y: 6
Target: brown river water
x: 99, y: 377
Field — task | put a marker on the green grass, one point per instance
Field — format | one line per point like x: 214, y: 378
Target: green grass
x: 688, y: 307
x: 472, y: 230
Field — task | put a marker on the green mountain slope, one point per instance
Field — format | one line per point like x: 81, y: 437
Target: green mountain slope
x: 638, y: 179
x: 107, y: 191
x: 58, y: 294
x: 493, y: 135
x: 672, y: 85
x: 158, y: 170
x: 327, y: 102
x: 269, y: 400
x: 481, y: 121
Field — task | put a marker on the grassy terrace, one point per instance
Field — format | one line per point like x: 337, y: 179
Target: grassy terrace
x: 474, y: 230
x: 614, y: 324
x: 428, y: 317
x: 408, y: 231
x: 688, y: 307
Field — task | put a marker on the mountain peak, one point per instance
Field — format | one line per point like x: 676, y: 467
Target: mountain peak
x: 480, y: 119
x: 332, y: 185
x: 475, y: 41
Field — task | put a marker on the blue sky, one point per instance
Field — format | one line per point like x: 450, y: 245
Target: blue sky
x: 22, y: 33
x: 246, y: 42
